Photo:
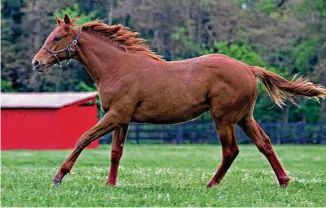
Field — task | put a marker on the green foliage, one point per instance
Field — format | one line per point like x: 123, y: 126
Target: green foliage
x: 265, y: 109
x: 74, y: 11
x: 83, y: 87
x: 239, y: 51
x: 304, y: 53
x: 164, y: 176
x: 6, y: 86
x: 189, y: 47
x: 267, y: 6
x: 9, y: 7
x: 308, y: 111
x: 308, y: 6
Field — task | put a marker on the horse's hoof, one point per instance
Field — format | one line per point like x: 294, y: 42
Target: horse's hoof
x: 110, y: 184
x: 284, y: 181
x: 210, y: 185
x: 56, y: 183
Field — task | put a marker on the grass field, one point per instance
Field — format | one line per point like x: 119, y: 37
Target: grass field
x: 164, y: 175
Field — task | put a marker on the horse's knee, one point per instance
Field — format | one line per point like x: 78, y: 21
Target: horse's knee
x: 84, y: 140
x: 80, y: 144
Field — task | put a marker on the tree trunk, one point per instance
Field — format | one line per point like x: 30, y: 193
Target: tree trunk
x: 110, y: 9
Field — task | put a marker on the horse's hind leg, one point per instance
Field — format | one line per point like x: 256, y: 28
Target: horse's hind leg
x: 263, y: 143
x: 118, y: 140
x: 229, y: 151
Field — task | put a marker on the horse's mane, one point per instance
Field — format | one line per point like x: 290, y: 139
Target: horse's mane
x: 120, y: 35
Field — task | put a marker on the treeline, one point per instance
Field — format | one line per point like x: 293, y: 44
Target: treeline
x: 284, y: 36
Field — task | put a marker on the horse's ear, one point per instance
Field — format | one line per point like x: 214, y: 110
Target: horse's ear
x: 67, y: 19
x: 59, y: 21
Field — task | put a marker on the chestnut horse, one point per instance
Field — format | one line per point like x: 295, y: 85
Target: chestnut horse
x: 136, y: 85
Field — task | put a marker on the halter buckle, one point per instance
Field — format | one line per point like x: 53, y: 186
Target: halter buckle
x: 74, y: 42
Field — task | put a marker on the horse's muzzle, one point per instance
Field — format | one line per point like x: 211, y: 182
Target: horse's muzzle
x: 37, y: 66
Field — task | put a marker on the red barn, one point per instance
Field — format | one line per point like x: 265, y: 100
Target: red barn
x: 46, y: 120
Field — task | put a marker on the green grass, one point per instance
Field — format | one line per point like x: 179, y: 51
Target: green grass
x: 164, y: 175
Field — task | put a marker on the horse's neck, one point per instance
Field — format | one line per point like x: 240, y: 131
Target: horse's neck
x: 101, y: 59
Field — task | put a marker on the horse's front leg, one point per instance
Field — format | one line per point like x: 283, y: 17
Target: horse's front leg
x: 108, y: 123
x: 118, y: 140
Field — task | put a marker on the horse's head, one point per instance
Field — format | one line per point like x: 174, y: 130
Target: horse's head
x: 58, y: 46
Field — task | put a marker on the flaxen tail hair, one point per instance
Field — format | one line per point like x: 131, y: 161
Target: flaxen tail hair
x: 281, y: 89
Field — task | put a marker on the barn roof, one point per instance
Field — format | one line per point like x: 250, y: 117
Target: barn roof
x: 43, y: 100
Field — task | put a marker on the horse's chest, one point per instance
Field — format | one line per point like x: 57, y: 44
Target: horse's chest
x: 106, y: 98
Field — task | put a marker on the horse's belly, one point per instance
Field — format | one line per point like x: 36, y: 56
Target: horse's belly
x: 169, y: 114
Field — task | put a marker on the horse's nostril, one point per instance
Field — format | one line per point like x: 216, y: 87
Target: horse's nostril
x: 35, y: 63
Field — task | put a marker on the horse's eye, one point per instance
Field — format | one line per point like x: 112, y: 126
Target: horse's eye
x: 57, y: 38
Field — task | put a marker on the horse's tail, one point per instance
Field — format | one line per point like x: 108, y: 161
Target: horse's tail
x: 281, y: 89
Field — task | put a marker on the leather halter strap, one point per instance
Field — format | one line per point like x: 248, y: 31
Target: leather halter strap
x: 69, y: 49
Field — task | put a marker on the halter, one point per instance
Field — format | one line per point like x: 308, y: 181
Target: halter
x: 69, y: 49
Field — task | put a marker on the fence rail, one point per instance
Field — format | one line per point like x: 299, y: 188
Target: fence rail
x: 204, y: 132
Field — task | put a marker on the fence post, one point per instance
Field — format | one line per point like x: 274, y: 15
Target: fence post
x: 302, y: 133
x: 137, y: 133
x: 298, y: 134
x: 278, y: 137
x: 179, y: 134
x: 320, y: 139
